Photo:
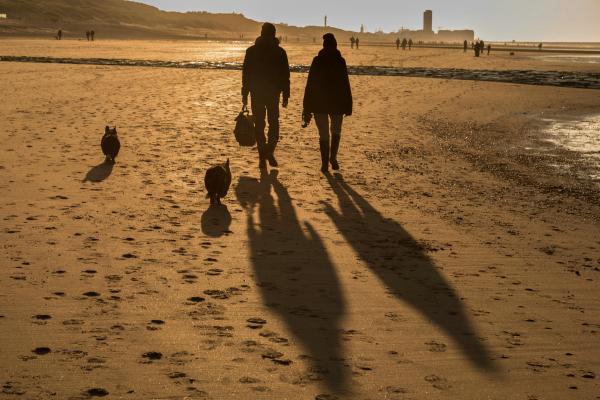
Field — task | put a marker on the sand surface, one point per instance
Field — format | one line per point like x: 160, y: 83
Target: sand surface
x: 450, y: 259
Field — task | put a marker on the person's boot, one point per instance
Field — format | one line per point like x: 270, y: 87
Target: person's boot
x: 335, y: 146
x: 262, y: 163
x: 271, y: 155
x: 324, y: 145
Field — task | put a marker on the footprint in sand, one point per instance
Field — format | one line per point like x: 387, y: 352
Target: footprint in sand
x: 436, y: 347
x: 195, y: 299
x: 89, y: 271
x: 41, y: 351
x: 155, y: 324
x: 96, y: 392
x: 255, y: 323
x: 438, y: 382
x: 274, y: 337
x: 152, y: 355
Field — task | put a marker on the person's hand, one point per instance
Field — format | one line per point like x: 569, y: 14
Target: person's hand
x: 245, y: 100
x: 306, y: 118
x: 285, y: 102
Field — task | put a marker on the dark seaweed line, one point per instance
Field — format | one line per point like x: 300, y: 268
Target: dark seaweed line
x: 525, y: 77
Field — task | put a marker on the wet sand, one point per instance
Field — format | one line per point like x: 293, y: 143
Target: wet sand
x: 298, y: 53
x: 580, y: 80
x: 447, y: 260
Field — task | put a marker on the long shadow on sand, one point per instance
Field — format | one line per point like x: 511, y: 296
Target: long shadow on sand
x: 216, y: 220
x: 100, y: 172
x: 295, y: 275
x: 402, y: 265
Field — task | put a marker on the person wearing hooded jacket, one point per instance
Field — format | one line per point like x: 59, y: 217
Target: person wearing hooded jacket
x: 265, y: 77
x: 328, y: 97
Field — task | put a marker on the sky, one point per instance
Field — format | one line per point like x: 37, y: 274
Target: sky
x: 502, y: 20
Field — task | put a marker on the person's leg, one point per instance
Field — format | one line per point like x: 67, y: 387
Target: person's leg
x: 259, y: 114
x: 273, y: 135
x: 336, y: 134
x: 322, y: 122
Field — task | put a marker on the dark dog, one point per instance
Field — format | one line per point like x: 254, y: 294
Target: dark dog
x: 217, y: 181
x: 110, y: 144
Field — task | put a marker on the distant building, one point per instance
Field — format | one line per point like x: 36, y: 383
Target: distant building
x: 427, y: 34
x: 428, y: 21
x: 3, y: 16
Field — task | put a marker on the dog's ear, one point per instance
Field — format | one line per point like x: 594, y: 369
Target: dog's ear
x: 115, y: 129
x: 106, y: 129
x: 227, y: 163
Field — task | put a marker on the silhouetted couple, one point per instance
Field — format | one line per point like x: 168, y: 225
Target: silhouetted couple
x: 266, y: 77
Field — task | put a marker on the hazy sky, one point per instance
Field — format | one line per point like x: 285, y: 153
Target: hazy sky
x: 535, y: 20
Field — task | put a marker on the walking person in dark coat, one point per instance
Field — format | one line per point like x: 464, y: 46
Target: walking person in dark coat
x: 92, y: 33
x: 328, y: 97
x: 265, y: 76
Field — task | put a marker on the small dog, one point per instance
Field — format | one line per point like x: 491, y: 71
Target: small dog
x: 110, y: 144
x: 217, y: 181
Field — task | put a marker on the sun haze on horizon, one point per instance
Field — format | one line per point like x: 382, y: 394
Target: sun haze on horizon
x: 536, y: 20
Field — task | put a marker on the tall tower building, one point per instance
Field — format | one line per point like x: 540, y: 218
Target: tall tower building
x: 428, y: 21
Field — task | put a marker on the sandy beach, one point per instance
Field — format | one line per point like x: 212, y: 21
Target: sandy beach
x: 455, y: 256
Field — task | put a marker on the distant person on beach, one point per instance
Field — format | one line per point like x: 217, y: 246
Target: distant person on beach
x: 328, y: 97
x: 465, y: 45
x: 59, y: 34
x: 481, y: 46
x: 87, y: 35
x: 410, y: 44
x: 92, y: 33
x: 265, y: 76
x: 404, y: 43
x: 489, y: 49
x: 477, y: 48
x: 356, y: 42
x: 352, y: 42
x: 398, y: 44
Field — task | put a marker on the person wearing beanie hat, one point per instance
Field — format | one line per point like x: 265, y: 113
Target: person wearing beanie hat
x: 328, y: 97
x: 265, y: 78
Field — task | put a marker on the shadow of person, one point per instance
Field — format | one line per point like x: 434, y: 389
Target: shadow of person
x: 216, y: 220
x: 100, y: 172
x: 400, y: 262
x: 295, y: 275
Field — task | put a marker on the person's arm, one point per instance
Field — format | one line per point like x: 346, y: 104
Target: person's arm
x: 245, y: 80
x: 307, y: 108
x: 285, y: 78
x: 347, y: 90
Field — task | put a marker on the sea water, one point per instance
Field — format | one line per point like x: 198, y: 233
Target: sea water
x: 581, y: 135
